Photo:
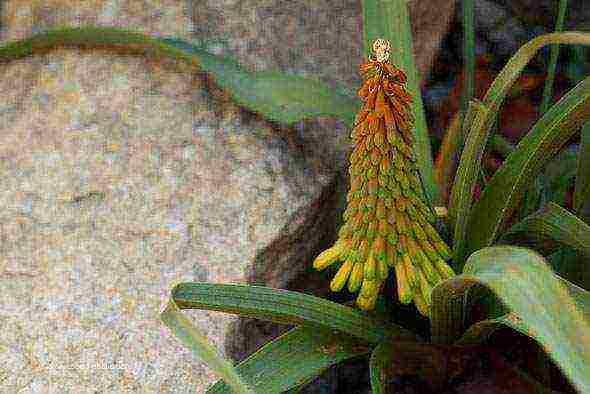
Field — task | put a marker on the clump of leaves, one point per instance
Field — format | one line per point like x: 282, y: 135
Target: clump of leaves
x: 500, y: 285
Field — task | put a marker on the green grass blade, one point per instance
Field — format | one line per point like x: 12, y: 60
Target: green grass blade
x: 192, y: 338
x: 544, y: 140
x: 523, y: 282
x: 287, y: 307
x: 389, y: 19
x: 552, y: 223
x: 380, y: 363
x: 468, y: 54
x: 582, y: 189
x: 482, y: 330
x: 548, y: 89
x: 293, y: 359
x: 467, y: 174
x: 278, y: 97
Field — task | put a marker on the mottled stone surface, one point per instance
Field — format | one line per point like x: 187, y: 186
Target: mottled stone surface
x: 121, y: 177
x: 124, y: 175
x: 322, y: 39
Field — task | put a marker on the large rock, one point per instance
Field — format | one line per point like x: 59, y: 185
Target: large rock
x: 122, y: 176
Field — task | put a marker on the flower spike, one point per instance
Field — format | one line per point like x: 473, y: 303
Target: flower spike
x: 387, y: 222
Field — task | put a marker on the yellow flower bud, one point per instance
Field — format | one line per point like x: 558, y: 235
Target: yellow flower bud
x: 327, y: 257
x: 341, y: 276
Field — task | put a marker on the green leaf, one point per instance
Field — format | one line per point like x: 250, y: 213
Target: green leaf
x: 560, y: 173
x: 494, y: 99
x: 389, y: 19
x: 293, y: 359
x: 533, y: 196
x: 286, y: 307
x: 544, y: 303
x: 469, y: 51
x: 192, y: 338
x: 548, y: 89
x: 278, y: 97
x: 582, y: 190
x: 467, y: 175
x: 552, y: 223
x: 380, y: 363
x: 482, y: 330
x: 544, y: 140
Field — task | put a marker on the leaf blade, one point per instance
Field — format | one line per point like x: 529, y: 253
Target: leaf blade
x: 293, y: 359
x: 286, y: 307
x: 556, y: 224
x: 517, y: 276
x: 379, y: 365
x: 546, y: 137
x: 278, y: 97
x: 467, y: 175
x: 192, y: 338
x: 582, y: 188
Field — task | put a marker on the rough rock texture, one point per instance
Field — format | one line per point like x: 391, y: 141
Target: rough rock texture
x: 322, y: 39
x: 124, y: 175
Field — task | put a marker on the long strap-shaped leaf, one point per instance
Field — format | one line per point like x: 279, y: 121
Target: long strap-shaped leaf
x: 293, y: 359
x: 389, y: 19
x: 287, y: 307
x: 492, y: 102
x: 556, y: 224
x: 545, y: 304
x: 279, y: 97
x: 276, y: 305
x: 482, y: 330
x: 193, y: 339
x: 467, y: 174
x: 544, y: 140
x: 582, y: 190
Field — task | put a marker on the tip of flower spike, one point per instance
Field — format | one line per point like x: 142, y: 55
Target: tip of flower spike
x: 327, y: 257
x: 381, y: 48
x: 441, y: 212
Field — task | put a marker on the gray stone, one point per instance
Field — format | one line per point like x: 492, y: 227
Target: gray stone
x: 125, y: 175
x: 122, y: 176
